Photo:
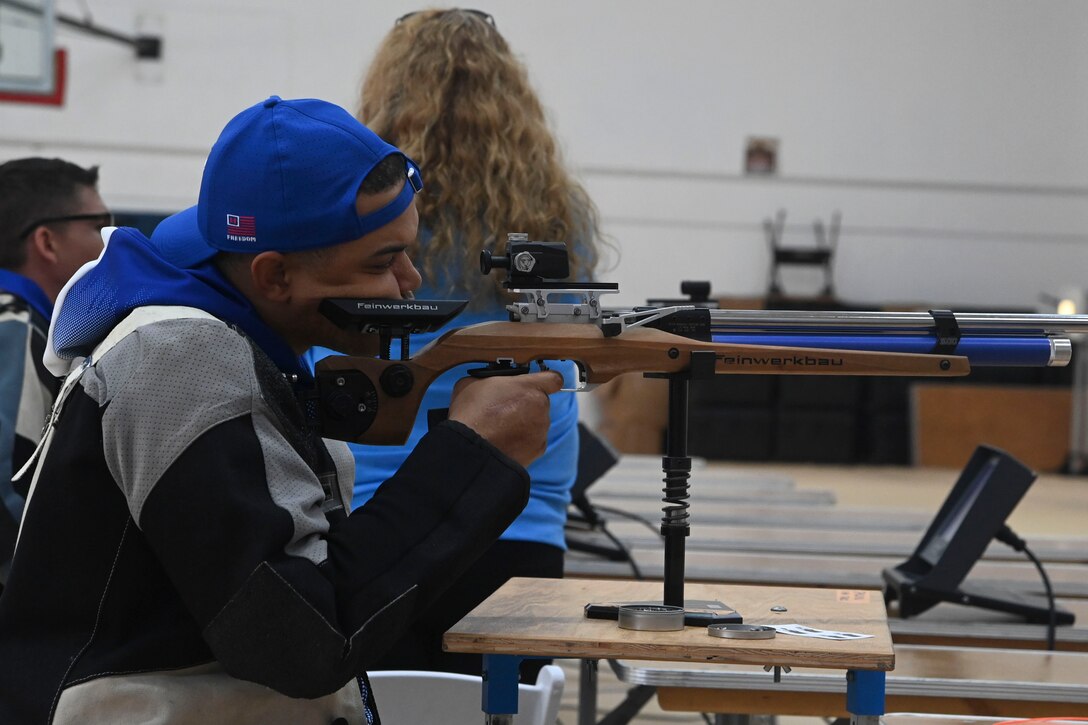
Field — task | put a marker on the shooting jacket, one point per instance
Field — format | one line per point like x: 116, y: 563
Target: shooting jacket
x: 27, y: 390
x: 179, y: 562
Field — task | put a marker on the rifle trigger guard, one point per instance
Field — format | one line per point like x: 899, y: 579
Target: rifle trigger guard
x: 581, y: 386
x: 503, y: 367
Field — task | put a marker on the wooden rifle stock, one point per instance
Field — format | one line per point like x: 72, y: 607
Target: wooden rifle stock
x: 381, y: 398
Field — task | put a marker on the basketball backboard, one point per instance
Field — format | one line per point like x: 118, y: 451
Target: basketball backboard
x: 26, y: 47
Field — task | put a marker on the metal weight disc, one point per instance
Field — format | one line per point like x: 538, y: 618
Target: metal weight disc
x: 740, y: 631
x: 651, y: 617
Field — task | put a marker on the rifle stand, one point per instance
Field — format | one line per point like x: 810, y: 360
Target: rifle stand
x: 676, y: 465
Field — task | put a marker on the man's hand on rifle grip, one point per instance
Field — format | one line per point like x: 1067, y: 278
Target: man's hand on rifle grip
x: 512, y: 413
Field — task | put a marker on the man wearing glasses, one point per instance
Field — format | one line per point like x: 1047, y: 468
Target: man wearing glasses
x: 50, y: 222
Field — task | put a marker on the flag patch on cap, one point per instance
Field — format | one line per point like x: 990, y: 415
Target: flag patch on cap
x: 241, y: 228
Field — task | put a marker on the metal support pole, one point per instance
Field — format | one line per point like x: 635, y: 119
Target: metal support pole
x: 630, y: 707
x: 676, y: 466
x: 587, y: 693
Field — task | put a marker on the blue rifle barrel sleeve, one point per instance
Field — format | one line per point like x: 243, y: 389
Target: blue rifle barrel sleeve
x: 981, y: 351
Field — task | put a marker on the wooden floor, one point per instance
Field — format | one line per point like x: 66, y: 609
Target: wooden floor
x: 1054, y: 505
x: 1055, y: 510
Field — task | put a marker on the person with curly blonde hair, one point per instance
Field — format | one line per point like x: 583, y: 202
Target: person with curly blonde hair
x: 445, y: 87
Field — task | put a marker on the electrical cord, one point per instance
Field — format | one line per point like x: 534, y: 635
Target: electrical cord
x: 1006, y: 536
x: 617, y: 542
x: 626, y: 552
x: 589, y: 514
x: 634, y: 517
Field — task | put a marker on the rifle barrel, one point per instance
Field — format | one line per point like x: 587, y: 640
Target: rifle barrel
x: 879, y: 322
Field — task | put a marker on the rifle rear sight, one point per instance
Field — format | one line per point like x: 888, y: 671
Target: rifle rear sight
x: 536, y: 270
x: 527, y: 261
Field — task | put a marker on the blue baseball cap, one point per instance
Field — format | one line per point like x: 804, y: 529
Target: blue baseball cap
x: 283, y: 176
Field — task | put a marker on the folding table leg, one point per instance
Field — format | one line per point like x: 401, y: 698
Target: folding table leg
x: 500, y: 692
x: 865, y: 696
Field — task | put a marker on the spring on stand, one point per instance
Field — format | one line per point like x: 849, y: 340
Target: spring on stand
x: 676, y: 492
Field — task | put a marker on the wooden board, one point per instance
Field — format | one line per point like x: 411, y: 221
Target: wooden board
x: 643, y: 474
x: 823, y: 704
x: 789, y: 515
x: 1012, y: 683
x: 818, y: 570
x: 544, y: 617
x: 921, y: 719
x: 720, y: 496
x: 848, y: 542
x: 1030, y: 422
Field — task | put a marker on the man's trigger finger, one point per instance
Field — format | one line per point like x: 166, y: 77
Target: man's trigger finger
x: 549, y: 382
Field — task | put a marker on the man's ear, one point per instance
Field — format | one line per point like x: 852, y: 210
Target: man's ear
x: 271, y: 275
x: 42, y: 244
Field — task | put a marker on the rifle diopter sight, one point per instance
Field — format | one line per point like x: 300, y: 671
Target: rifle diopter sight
x: 527, y: 261
x: 537, y: 270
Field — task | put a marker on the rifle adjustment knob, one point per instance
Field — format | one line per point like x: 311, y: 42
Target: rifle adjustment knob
x: 524, y: 262
x: 488, y: 261
x: 345, y: 406
x: 397, y: 381
x: 340, y: 404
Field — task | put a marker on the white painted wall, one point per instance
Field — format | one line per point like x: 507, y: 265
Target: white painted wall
x: 953, y: 136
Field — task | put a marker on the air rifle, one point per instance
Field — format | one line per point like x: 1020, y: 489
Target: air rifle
x: 375, y: 400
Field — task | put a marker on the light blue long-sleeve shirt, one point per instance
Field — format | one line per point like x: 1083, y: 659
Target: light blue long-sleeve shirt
x: 552, y: 474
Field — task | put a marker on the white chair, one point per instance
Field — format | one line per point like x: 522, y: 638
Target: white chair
x: 415, y: 697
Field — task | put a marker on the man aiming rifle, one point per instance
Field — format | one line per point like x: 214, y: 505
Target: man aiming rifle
x: 186, y: 552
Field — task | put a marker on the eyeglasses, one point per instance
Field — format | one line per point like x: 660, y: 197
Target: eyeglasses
x: 411, y: 171
x: 486, y: 17
x: 101, y: 219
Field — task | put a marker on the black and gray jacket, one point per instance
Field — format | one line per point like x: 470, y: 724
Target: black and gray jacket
x: 176, y: 564
x: 27, y: 390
